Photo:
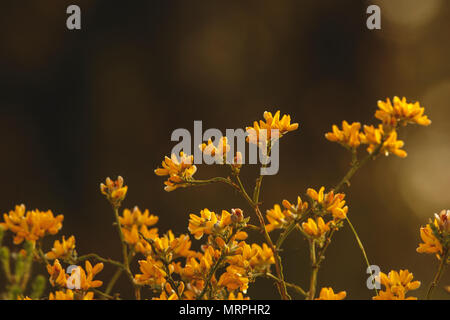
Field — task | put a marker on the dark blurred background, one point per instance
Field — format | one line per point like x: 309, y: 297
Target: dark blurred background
x: 78, y: 106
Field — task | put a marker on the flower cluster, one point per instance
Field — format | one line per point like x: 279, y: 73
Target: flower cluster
x: 225, y: 249
x: 31, y: 225
x: 133, y: 223
x: 328, y: 294
x: 397, y: 284
x: 384, y: 137
x: 328, y: 203
x: 279, y: 219
x: 179, y: 171
x: 436, y: 235
x: 401, y: 112
x: 62, y: 250
x: 225, y: 264
x: 261, y: 133
x: 115, y: 191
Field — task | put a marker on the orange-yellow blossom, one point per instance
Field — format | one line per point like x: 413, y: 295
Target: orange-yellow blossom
x: 400, y: 111
x: 315, y: 229
x: 332, y: 203
x: 114, y: 191
x: 31, y: 225
x: 328, y: 294
x: 70, y: 295
x: 349, y: 136
x: 397, y: 284
x: 61, y: 249
x: 272, y: 122
x: 208, y: 222
x: 430, y: 244
x: 178, y: 170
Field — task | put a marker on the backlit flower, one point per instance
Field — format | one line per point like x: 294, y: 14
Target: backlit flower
x: 31, y: 225
x: 349, y: 136
x: 232, y: 279
x: 61, y: 249
x: 400, y: 111
x: 315, y: 229
x: 114, y: 191
x: 152, y: 272
x: 261, y: 132
x: 328, y: 294
x: 219, y: 153
x: 238, y: 296
x: 208, y: 222
x: 57, y: 274
x: 70, y: 295
x: 397, y: 284
x: 431, y: 243
x: 330, y: 202
x: 137, y: 217
x: 278, y: 218
x: 179, y: 171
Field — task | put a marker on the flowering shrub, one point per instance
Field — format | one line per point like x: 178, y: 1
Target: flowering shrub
x: 227, y: 262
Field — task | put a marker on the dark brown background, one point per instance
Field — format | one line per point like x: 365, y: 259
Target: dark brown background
x: 77, y: 106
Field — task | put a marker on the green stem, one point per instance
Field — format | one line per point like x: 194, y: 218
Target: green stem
x: 288, y: 284
x: 98, y: 258
x: 314, y: 270
x: 361, y: 247
x: 113, y: 280
x: 439, y: 273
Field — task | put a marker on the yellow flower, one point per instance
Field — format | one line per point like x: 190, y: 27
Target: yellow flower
x: 315, y: 229
x: 31, y: 225
x: 232, y: 279
x: 397, y: 284
x: 332, y: 203
x: 252, y: 258
x: 401, y: 111
x: 283, y: 125
x: 136, y: 217
x: 208, y: 222
x: 61, y: 295
x: 430, y: 244
x: 278, y: 218
x: 349, y: 136
x: 69, y: 295
x: 114, y: 191
x: 299, y: 208
x: 198, y: 267
x: 392, y: 145
x: 281, y: 218
x: 61, y: 249
x: 443, y: 221
x: 372, y: 135
x: 57, y: 274
x: 219, y: 152
x: 152, y: 272
x: 178, y: 170
x: 174, y: 246
x: 328, y: 294
x: 238, y: 296
x: 87, y: 277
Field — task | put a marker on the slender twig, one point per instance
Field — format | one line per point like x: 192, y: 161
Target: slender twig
x: 104, y: 295
x: 439, y: 273
x: 98, y: 258
x: 288, y: 284
x: 126, y: 263
x: 314, y: 270
x: 215, y: 267
x: 113, y: 280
